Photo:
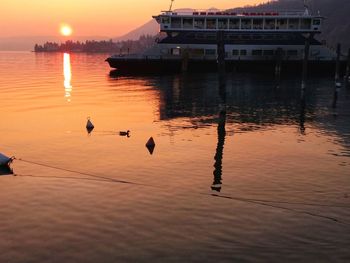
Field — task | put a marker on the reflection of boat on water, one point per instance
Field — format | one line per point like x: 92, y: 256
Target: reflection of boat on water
x: 252, y: 103
x: 248, y: 104
x: 244, y: 103
x: 252, y: 41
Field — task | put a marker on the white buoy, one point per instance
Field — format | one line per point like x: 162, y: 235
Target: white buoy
x: 89, y: 125
x: 4, y: 160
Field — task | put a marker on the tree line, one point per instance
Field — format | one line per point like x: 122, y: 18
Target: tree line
x: 93, y: 46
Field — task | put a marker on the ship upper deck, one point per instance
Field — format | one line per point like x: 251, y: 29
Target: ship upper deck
x: 197, y: 20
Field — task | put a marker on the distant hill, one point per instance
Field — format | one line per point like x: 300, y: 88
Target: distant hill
x: 150, y: 28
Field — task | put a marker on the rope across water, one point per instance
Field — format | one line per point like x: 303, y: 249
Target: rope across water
x: 269, y: 203
x: 77, y: 172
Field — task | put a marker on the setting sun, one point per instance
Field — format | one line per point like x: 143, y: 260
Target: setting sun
x: 66, y: 30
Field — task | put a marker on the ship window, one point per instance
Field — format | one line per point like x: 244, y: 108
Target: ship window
x: 222, y: 23
x: 278, y: 37
x: 211, y: 36
x: 211, y: 23
x: 292, y: 52
x: 316, y: 22
x: 188, y: 23
x: 197, y: 52
x: 257, y: 23
x: 175, y: 22
x: 164, y: 51
x: 270, y: 24
x: 243, y: 52
x: 165, y: 20
x: 234, y: 23
x: 293, y: 23
x: 257, y: 37
x: 210, y: 52
x: 281, y: 24
x: 190, y: 35
x: 176, y: 51
x: 268, y: 52
x: 234, y: 37
x: 235, y: 52
x: 199, y: 23
x: 246, y: 24
x: 305, y: 24
x: 257, y: 52
x: 200, y: 36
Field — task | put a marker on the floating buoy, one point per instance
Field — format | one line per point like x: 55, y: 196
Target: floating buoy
x: 125, y: 133
x: 4, y: 160
x: 89, y: 125
x: 150, y: 145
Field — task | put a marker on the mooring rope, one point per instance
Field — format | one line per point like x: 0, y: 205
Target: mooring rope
x: 283, y: 208
x: 269, y: 203
x: 79, y: 172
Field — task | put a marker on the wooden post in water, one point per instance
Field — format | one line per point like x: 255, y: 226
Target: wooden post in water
x: 184, y: 61
x: 278, y: 66
x: 305, y: 62
x: 221, y: 51
x: 347, y: 74
x: 337, y: 77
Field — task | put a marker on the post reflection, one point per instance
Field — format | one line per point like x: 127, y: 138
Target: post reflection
x: 67, y: 73
x: 302, y: 111
x: 221, y: 133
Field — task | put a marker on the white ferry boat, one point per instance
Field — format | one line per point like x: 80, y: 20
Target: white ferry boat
x: 251, y: 40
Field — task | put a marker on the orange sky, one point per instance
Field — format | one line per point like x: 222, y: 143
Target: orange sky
x: 90, y: 17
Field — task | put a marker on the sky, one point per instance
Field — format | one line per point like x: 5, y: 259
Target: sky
x: 90, y: 17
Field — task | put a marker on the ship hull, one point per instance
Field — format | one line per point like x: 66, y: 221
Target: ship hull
x: 159, y: 66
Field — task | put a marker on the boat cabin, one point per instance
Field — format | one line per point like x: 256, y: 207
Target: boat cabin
x: 297, y: 21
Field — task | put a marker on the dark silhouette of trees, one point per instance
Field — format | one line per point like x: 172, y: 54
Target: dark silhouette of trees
x: 92, y: 46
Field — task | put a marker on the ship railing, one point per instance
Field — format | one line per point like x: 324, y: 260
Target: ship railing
x: 232, y: 13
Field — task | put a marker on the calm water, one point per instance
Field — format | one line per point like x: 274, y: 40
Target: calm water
x: 240, y: 171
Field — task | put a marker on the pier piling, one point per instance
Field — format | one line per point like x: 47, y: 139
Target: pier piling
x: 347, y: 74
x: 306, y: 61
x: 337, y: 77
x: 184, y: 61
x: 278, y: 66
x: 221, y: 51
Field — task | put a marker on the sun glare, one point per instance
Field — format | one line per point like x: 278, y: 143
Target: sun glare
x: 66, y: 30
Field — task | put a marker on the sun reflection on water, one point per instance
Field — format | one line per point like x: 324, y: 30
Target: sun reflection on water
x: 67, y: 73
